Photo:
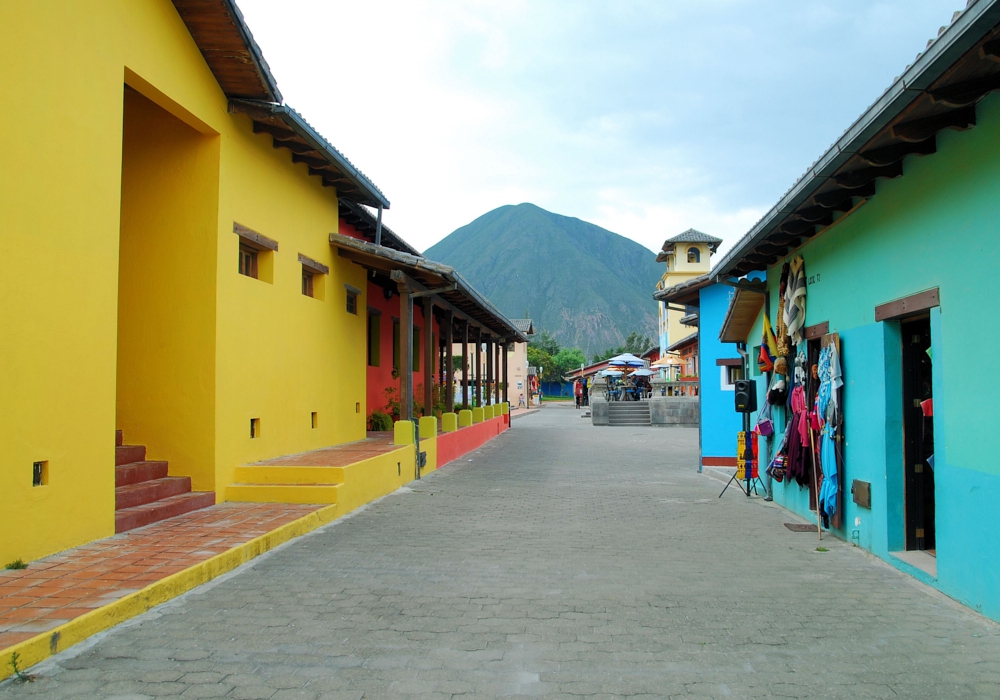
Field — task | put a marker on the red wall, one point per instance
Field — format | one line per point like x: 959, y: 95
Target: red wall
x: 379, y: 378
x: 451, y: 446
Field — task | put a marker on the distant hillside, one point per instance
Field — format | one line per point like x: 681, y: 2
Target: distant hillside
x: 587, y: 286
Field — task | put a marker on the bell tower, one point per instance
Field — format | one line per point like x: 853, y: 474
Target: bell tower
x: 687, y: 255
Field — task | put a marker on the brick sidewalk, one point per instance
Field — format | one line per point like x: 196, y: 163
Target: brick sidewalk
x: 56, y: 589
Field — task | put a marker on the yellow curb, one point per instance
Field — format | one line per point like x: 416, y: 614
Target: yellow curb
x: 38, y: 648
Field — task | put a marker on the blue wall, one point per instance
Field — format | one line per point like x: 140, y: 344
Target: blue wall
x: 719, y: 420
x: 557, y: 389
x: 937, y: 226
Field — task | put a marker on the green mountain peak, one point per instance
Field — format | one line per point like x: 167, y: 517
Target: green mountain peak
x: 587, y: 286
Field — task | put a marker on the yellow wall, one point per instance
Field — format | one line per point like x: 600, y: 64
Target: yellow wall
x: 277, y: 355
x: 679, y: 270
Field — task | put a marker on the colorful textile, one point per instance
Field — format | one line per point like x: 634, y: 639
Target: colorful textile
x: 795, y: 299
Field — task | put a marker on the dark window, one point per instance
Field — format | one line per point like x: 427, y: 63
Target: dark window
x: 374, y: 340
x: 733, y: 374
x: 307, y: 281
x: 248, y: 261
x: 352, y: 303
x: 314, y: 419
x: 694, y: 255
x: 39, y: 473
x: 254, y: 428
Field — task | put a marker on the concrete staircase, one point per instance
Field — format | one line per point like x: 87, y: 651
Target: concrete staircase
x: 628, y: 413
x: 144, y: 493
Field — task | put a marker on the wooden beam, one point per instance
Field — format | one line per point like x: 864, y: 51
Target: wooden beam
x: 966, y: 93
x: 815, y: 214
x: 449, y: 365
x: 428, y: 356
x: 311, y: 161
x: 277, y: 132
x: 465, y: 364
x: 799, y: 228
x: 854, y: 179
x: 908, y: 306
x: 254, y: 239
x: 920, y: 129
x: 990, y: 50
x: 479, y: 367
x: 887, y: 155
x: 314, y: 265
x: 815, y: 331
x: 841, y: 197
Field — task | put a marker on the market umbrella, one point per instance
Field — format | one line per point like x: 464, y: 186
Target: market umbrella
x: 643, y: 373
x: 626, y: 360
x: 611, y: 373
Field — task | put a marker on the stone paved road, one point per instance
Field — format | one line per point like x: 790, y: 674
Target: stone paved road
x: 565, y: 561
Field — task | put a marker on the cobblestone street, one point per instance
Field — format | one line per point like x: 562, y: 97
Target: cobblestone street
x: 560, y: 560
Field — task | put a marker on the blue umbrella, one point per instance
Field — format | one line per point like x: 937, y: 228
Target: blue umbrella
x: 626, y: 360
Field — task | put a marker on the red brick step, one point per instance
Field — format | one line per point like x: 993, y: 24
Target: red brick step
x: 137, y: 516
x: 149, y: 491
x: 126, y: 454
x: 137, y: 472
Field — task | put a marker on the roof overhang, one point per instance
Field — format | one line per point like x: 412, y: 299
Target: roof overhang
x: 684, y: 343
x: 366, y: 224
x: 455, y: 294
x: 222, y: 36
x: 685, y: 293
x: 289, y: 130
x: 741, y: 315
x: 938, y: 91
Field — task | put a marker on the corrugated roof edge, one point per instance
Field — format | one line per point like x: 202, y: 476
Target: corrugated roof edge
x: 687, y: 285
x: 258, y: 57
x: 968, y: 28
x: 440, y: 269
x: 305, y: 130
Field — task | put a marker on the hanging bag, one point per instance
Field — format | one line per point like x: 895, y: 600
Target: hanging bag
x: 765, y: 424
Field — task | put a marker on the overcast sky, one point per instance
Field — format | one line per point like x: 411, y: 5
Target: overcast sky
x: 645, y: 117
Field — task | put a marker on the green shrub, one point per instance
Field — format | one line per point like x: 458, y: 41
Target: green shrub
x: 379, y: 421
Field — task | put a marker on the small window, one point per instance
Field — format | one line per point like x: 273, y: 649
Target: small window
x: 314, y: 419
x: 40, y: 473
x: 307, y: 281
x: 374, y: 339
x: 733, y: 374
x: 248, y: 261
x: 254, y: 428
x: 694, y: 255
x: 352, y: 302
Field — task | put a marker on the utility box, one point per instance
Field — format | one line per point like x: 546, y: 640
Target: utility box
x: 862, y: 492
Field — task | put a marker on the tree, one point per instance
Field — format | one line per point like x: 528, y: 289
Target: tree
x: 545, y: 342
x: 543, y: 361
x: 567, y: 360
x: 635, y: 343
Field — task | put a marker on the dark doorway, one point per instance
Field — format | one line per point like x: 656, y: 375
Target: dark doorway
x: 918, y: 434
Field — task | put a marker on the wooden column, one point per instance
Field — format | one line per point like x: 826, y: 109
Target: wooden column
x: 449, y: 366
x: 406, y: 370
x: 479, y: 367
x: 489, y: 370
x: 465, y: 364
x: 496, y: 371
x: 428, y: 356
x: 506, y: 381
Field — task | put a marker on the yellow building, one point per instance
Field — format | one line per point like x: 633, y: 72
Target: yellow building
x: 167, y: 265
x: 687, y: 256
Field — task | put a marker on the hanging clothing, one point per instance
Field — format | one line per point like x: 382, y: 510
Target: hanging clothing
x: 781, y: 330
x: 795, y: 299
x: 797, y: 439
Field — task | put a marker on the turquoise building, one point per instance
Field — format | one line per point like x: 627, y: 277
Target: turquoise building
x: 898, y: 225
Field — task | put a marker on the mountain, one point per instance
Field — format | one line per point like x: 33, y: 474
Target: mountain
x: 585, y: 285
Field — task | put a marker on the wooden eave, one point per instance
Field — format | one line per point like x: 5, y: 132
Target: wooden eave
x: 289, y: 131
x: 229, y: 49
x: 455, y: 293
x: 947, y: 102
x: 741, y: 315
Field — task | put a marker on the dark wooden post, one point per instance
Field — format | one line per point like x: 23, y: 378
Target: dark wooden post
x: 489, y: 370
x: 406, y: 371
x: 428, y: 356
x: 479, y: 367
x: 506, y: 382
x: 449, y: 366
x: 465, y: 364
x: 496, y: 370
